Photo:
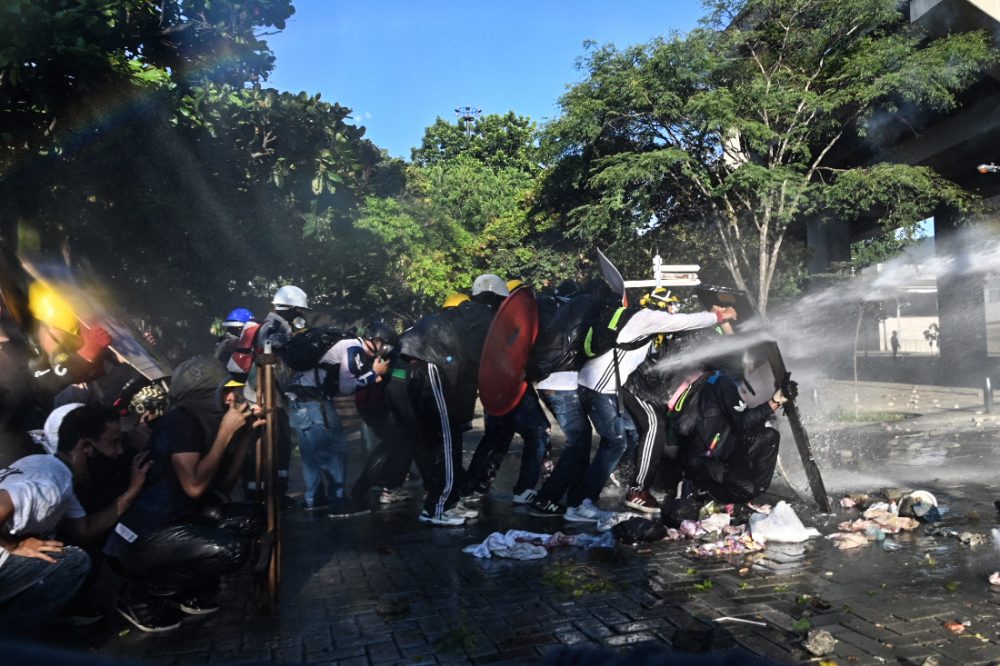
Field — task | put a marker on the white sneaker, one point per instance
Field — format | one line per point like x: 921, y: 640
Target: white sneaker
x: 394, y: 495
x: 475, y: 497
x: 447, y: 519
x: 526, y: 497
x: 460, y: 509
x: 587, y: 512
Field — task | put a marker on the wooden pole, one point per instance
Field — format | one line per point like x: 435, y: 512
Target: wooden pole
x: 269, y: 403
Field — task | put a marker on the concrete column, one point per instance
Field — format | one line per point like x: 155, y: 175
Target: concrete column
x: 961, y: 307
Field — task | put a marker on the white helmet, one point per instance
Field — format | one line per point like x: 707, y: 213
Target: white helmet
x: 289, y: 297
x: 489, y: 282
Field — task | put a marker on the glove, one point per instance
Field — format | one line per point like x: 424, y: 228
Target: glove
x: 95, y: 341
x: 790, y: 389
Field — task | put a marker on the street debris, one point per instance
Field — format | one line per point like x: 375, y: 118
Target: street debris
x: 955, y: 627
x: 740, y: 620
x: 521, y: 545
x: 995, y: 578
x: 820, y: 642
x: 781, y: 525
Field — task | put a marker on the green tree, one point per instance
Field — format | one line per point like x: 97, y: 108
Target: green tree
x: 498, y: 141
x: 730, y: 130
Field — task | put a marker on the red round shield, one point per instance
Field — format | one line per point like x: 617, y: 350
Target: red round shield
x: 505, y: 353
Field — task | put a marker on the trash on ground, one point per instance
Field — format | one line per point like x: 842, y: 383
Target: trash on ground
x: 781, y: 525
x: 972, y: 539
x: 637, y: 530
x: 521, y: 545
x: 954, y: 626
x: 995, y: 578
x: 820, y: 642
x: 740, y: 620
x: 609, y: 519
x: 848, y: 540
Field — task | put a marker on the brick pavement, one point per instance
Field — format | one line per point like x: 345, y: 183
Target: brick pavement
x: 881, y: 606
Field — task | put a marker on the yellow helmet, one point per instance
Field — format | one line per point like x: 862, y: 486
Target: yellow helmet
x: 514, y: 284
x: 49, y: 308
x: 659, y: 298
x: 455, y: 299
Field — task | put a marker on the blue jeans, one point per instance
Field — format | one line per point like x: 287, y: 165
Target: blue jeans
x: 32, y: 591
x: 528, y: 420
x: 569, y: 470
x: 323, y: 445
x: 602, y: 408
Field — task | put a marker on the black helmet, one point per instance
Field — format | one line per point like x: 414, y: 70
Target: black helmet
x: 382, y: 331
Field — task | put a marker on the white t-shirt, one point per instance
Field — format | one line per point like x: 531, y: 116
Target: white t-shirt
x: 598, y: 373
x: 564, y: 380
x: 41, y: 489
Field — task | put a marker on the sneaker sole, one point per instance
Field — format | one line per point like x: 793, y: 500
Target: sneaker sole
x: 540, y: 514
x: 149, y: 630
x: 189, y: 610
x: 578, y: 519
x: 439, y: 523
x: 523, y: 502
x: 642, y: 507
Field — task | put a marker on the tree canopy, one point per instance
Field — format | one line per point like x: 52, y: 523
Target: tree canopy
x: 731, y: 128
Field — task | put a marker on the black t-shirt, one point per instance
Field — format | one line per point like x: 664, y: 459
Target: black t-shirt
x: 163, y: 501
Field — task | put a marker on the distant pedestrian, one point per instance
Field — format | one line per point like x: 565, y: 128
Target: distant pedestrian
x: 894, y: 343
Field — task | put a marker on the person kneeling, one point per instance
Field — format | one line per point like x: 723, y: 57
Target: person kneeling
x: 174, y: 563
x: 731, y: 453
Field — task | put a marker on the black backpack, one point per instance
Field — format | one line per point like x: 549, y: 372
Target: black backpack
x: 602, y: 336
x: 304, y: 351
x: 559, y: 345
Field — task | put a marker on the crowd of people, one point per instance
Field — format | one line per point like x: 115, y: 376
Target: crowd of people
x: 155, y: 479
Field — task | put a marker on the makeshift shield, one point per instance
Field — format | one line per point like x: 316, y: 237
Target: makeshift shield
x: 612, y: 276
x: 505, y: 354
x: 766, y: 374
x: 124, y: 341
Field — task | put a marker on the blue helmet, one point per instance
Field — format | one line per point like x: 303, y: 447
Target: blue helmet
x: 238, y: 318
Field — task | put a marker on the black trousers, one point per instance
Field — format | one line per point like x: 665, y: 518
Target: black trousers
x: 418, y: 403
x: 182, y: 559
x: 745, y: 474
x: 651, y: 423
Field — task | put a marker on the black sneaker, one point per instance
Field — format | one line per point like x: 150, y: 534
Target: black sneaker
x: 342, y: 507
x: 156, y: 617
x: 546, y: 509
x: 197, y: 605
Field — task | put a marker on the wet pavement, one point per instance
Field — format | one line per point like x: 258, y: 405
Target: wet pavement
x: 440, y: 605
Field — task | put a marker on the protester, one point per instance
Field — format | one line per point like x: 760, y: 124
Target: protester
x: 599, y: 382
x: 173, y: 563
x: 37, y: 496
x: 432, y: 392
x: 730, y: 453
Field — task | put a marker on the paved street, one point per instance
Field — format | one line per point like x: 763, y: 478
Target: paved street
x: 883, y: 607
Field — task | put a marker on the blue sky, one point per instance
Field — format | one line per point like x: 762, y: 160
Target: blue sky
x: 400, y: 64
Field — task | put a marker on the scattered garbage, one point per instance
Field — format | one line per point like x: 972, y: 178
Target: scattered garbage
x: 521, y: 545
x: 820, y: 642
x: 972, y: 539
x: 995, y: 578
x: 740, y: 620
x: 955, y: 627
x: 781, y: 525
x: 677, y: 511
x: 638, y: 530
x: 609, y: 519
